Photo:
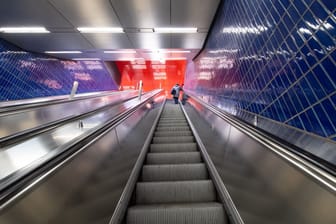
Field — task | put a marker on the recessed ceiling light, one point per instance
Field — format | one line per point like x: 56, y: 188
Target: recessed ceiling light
x: 86, y: 59
x: 146, y: 30
x: 100, y: 29
x: 24, y: 30
x: 175, y: 30
x: 63, y: 52
x: 120, y: 52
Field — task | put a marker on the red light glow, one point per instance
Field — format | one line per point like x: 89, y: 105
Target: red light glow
x: 153, y: 74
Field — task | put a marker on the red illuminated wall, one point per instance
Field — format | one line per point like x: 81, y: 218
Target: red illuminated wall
x: 154, y: 75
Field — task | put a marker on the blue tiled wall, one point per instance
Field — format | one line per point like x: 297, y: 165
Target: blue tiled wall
x: 274, y: 59
x: 26, y: 75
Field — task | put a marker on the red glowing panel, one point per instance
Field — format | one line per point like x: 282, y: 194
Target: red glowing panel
x: 154, y: 75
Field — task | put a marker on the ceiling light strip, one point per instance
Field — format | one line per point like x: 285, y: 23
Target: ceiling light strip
x: 63, y: 52
x: 120, y: 52
x: 24, y: 30
x: 100, y: 29
x: 175, y: 30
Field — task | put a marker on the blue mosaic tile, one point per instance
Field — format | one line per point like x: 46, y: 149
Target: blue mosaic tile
x: 308, y: 2
x: 325, y: 39
x: 319, y: 11
x: 324, y: 80
x: 333, y: 100
x: 331, y: 24
x: 296, y: 122
x: 326, y: 122
x: 329, y: 4
x: 284, y: 67
x: 292, y: 95
x: 26, y: 75
x: 304, y: 121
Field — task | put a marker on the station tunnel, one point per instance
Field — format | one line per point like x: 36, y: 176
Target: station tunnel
x: 91, y: 131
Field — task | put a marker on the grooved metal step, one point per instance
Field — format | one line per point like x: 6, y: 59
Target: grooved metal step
x: 197, y: 213
x: 175, y: 139
x: 175, y: 172
x: 165, y: 121
x: 173, y: 124
x: 172, y: 133
x: 175, y: 192
x: 174, y: 158
x: 173, y: 147
x: 183, y: 128
x: 173, y: 119
x: 168, y: 120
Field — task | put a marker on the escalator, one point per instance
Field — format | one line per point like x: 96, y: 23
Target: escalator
x: 174, y: 177
x: 174, y: 185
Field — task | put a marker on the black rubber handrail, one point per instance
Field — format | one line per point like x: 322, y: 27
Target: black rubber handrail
x: 27, y: 178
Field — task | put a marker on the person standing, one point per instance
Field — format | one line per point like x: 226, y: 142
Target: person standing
x: 175, y: 91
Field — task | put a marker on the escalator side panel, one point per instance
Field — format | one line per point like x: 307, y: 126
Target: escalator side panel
x: 87, y: 188
x: 264, y: 187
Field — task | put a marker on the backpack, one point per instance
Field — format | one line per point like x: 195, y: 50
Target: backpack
x: 173, y: 92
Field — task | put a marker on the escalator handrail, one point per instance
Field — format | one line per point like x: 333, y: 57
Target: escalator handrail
x: 223, y: 193
x: 30, y: 105
x: 31, y: 132
x: 31, y: 176
x: 323, y: 175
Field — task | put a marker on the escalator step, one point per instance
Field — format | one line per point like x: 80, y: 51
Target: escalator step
x: 173, y: 147
x: 172, y: 133
x: 173, y: 128
x: 173, y: 119
x: 196, y: 213
x: 178, y: 115
x: 179, y: 120
x: 173, y: 124
x: 174, y: 158
x: 166, y: 120
x: 175, y: 192
x: 174, y: 172
x: 173, y: 139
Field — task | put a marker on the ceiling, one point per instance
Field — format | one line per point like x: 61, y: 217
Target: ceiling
x: 136, y: 17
